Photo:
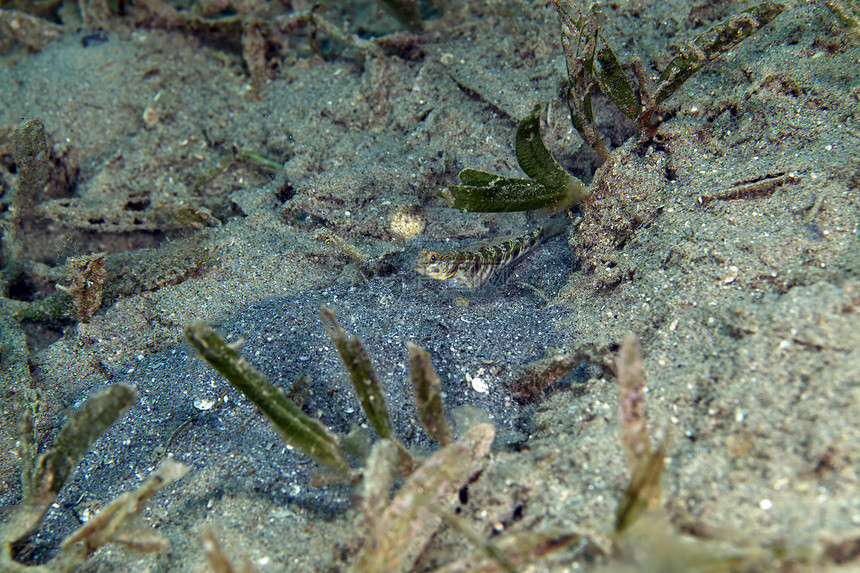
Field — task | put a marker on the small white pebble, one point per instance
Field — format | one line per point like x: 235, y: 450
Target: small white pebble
x: 480, y: 386
x: 150, y: 117
x: 765, y: 504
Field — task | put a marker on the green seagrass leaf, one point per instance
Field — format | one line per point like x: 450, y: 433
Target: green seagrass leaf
x: 297, y: 428
x: 53, y: 467
x: 86, y: 424
x: 507, y: 194
x: 613, y: 82
x: 590, y: 58
x: 550, y: 185
x: 504, y: 195
x: 406, y: 12
x: 476, y: 177
x: 711, y: 44
x: 533, y: 156
x: 365, y: 381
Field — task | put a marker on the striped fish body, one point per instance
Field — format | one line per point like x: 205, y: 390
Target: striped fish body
x: 472, y: 268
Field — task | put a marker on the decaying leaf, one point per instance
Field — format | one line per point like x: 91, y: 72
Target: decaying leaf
x: 631, y: 401
x: 218, y: 559
x: 406, y: 526
x: 53, y: 467
x: 119, y: 523
x: 645, y: 464
x: 716, y: 41
x: 88, y: 276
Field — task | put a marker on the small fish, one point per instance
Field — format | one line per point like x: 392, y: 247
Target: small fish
x: 472, y: 267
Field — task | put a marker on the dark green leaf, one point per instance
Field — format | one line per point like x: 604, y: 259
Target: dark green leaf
x: 505, y: 194
x: 540, y: 165
x: 406, y: 12
x: 364, y: 378
x: 428, y: 395
x: 297, y: 428
x: 613, y: 82
x: 84, y: 427
x: 477, y: 178
x: 550, y: 185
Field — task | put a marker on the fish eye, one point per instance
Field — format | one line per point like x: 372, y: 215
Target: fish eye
x: 432, y: 257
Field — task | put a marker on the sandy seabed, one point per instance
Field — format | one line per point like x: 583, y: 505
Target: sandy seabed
x: 746, y: 306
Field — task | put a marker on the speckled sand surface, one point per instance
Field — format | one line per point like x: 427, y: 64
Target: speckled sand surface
x: 748, y: 309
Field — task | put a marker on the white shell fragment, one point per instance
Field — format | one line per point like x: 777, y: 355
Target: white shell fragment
x: 203, y: 404
x: 480, y: 385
